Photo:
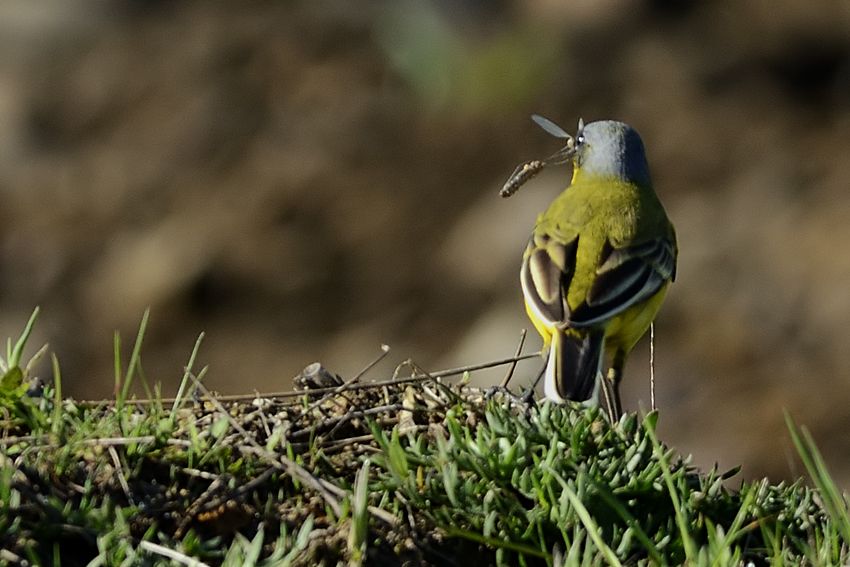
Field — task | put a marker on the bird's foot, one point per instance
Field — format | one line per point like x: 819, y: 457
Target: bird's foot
x: 525, y: 400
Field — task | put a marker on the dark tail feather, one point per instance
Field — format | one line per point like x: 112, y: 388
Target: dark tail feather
x: 573, y: 365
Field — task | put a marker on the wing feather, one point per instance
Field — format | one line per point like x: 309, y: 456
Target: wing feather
x: 547, y: 270
x: 625, y: 276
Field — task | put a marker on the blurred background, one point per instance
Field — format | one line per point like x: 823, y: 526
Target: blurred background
x: 305, y: 181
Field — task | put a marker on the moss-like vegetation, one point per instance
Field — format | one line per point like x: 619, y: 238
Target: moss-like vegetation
x: 419, y: 470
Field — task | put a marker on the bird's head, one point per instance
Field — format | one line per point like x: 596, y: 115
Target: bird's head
x: 609, y: 148
x: 606, y: 148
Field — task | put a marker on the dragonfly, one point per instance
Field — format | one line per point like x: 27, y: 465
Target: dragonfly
x: 529, y: 169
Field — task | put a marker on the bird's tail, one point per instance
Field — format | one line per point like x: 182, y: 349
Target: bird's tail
x: 574, y: 365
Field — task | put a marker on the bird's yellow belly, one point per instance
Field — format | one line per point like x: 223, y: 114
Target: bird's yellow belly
x: 542, y: 328
x: 623, y: 331
x: 626, y: 329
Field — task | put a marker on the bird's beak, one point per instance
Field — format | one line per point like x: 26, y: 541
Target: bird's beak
x: 564, y: 154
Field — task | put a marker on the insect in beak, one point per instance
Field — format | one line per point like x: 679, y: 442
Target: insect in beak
x: 527, y: 170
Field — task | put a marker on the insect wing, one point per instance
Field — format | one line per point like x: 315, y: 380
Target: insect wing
x: 550, y: 127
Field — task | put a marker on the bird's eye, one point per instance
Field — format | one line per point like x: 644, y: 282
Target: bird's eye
x: 580, y: 139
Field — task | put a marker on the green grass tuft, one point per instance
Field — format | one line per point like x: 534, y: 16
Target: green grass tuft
x: 413, y: 470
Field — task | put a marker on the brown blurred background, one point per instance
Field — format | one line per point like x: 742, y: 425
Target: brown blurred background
x: 307, y: 180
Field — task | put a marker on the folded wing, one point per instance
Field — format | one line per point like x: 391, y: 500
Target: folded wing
x: 625, y: 277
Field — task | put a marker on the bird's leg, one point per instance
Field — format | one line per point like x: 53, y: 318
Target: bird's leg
x: 609, y: 404
x: 542, y: 370
x: 615, y: 375
x: 527, y: 397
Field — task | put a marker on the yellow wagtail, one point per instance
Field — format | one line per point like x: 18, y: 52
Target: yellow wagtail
x: 599, y: 261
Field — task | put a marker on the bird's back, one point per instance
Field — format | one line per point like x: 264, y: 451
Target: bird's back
x: 605, y: 212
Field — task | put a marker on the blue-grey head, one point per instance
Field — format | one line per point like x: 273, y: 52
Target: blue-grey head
x: 610, y: 148
x: 607, y: 149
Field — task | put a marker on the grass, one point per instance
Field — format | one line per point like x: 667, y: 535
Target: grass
x: 418, y: 470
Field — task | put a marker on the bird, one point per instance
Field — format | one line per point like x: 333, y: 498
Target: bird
x: 599, y: 261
